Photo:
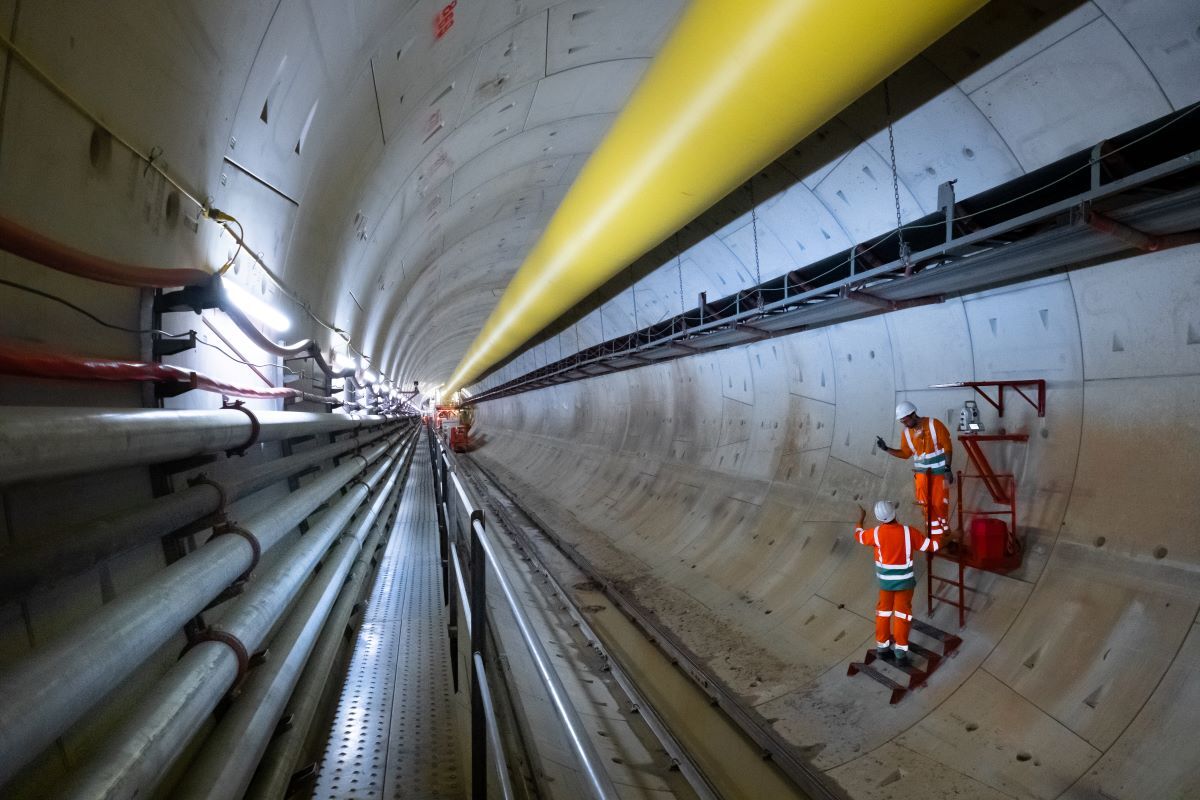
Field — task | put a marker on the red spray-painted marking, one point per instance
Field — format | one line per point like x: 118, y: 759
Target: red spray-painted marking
x: 434, y: 123
x: 444, y: 20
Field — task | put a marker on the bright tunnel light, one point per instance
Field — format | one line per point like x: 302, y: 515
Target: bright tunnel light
x: 255, y: 308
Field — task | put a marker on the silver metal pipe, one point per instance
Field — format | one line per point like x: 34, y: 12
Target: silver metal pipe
x: 275, y: 769
x: 255, y: 612
x: 184, y: 706
x: 250, y: 481
x: 49, y: 691
x: 59, y: 554
x: 43, y: 443
x: 59, y: 682
x: 596, y: 777
x: 117, y: 771
x: 231, y: 753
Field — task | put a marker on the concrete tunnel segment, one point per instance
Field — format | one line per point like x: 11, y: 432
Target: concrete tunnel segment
x: 719, y: 487
x: 720, y: 490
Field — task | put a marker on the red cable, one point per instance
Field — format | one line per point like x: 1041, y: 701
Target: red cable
x: 35, y: 247
x: 43, y: 250
x: 16, y: 360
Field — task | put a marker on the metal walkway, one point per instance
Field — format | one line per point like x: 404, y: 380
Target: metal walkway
x: 393, y: 735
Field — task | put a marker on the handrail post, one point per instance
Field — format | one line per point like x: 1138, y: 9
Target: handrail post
x: 445, y: 478
x: 452, y: 519
x: 478, y: 637
x: 493, y: 734
x: 439, y: 491
x: 444, y: 547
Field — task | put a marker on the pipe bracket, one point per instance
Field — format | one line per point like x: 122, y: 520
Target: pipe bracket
x: 222, y: 496
x: 234, y: 644
x: 255, y: 546
x: 255, y: 428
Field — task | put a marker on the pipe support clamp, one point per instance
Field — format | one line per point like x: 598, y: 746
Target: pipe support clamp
x: 222, y: 496
x: 234, y: 644
x: 255, y: 546
x: 255, y: 429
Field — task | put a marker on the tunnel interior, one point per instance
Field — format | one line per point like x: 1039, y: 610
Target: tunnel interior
x: 388, y: 167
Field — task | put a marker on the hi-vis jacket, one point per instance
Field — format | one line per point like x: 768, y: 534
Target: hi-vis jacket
x: 894, y: 546
x: 929, y: 446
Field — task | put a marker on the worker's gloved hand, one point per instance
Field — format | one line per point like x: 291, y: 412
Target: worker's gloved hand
x: 949, y: 478
x: 881, y: 444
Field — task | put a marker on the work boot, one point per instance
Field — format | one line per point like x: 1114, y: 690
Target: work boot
x: 901, y: 658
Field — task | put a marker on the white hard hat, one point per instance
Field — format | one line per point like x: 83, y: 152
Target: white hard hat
x: 885, y: 510
x: 904, y: 409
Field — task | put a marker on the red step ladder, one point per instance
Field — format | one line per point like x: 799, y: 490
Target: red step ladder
x: 917, y: 676
x: 1001, y: 488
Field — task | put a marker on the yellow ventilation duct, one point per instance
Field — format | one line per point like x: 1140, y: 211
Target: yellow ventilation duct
x: 735, y: 86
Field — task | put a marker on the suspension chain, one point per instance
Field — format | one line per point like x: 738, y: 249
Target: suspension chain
x: 887, y: 106
x: 679, y: 269
x: 633, y: 288
x: 754, y: 232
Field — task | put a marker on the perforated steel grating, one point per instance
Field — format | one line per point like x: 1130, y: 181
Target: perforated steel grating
x: 393, y: 734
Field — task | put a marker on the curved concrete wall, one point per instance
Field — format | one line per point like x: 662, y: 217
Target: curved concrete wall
x: 396, y: 180
x: 720, y: 490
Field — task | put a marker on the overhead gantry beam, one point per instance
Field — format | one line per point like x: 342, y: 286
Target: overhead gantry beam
x: 733, y: 88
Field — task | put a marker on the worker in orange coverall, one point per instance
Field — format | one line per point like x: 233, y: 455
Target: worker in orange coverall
x: 894, y: 567
x: 927, y: 442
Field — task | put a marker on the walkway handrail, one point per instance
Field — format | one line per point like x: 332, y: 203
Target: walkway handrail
x: 483, y: 553
x: 493, y: 730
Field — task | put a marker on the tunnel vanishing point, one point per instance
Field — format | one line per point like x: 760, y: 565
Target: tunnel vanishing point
x: 477, y: 398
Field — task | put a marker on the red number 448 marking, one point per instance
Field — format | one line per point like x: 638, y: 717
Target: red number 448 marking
x: 444, y: 20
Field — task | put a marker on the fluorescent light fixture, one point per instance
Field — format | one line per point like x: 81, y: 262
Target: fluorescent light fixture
x: 255, y: 308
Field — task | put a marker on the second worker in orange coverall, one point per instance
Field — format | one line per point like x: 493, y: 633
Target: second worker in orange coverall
x: 895, y: 569
x: 927, y: 442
